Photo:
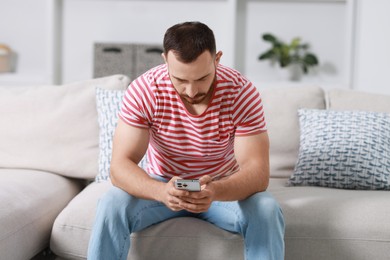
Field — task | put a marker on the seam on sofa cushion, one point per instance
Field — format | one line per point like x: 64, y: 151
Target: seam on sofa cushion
x: 187, y: 237
x: 138, y: 235
x: 72, y: 227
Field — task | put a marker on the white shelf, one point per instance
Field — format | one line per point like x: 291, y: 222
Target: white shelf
x: 14, y: 79
x: 291, y: 84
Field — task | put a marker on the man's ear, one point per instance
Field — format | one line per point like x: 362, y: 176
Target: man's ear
x: 164, y: 57
x: 218, y: 57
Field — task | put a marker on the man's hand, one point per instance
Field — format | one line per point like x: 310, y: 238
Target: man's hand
x: 198, y: 201
x: 171, y: 196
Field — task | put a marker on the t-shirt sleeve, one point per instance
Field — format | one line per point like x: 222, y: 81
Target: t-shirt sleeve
x: 248, y: 113
x: 136, y: 104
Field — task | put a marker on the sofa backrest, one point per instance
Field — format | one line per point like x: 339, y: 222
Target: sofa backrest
x: 281, y: 109
x: 347, y: 99
x: 53, y: 128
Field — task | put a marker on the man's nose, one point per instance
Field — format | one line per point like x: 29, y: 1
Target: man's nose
x: 191, y: 90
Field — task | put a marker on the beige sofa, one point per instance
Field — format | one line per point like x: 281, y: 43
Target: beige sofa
x: 49, y: 150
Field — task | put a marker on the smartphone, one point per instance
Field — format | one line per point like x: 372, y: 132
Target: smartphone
x: 190, y: 185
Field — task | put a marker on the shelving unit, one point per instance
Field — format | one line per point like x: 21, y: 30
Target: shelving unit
x: 12, y: 79
x: 72, y: 26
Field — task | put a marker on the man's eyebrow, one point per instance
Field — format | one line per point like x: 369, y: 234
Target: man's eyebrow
x: 180, y: 79
x: 205, y: 76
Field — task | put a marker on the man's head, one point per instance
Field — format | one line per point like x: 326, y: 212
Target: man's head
x: 189, y: 40
x: 190, y: 52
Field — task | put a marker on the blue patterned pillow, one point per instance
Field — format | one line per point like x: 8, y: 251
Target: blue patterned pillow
x: 343, y: 149
x: 108, y: 106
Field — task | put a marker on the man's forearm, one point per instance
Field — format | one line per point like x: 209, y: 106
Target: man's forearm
x: 131, y: 178
x: 240, y: 185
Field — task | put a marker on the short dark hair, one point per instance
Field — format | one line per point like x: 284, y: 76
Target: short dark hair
x: 188, y: 40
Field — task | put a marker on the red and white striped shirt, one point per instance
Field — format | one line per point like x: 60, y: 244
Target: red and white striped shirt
x: 186, y: 145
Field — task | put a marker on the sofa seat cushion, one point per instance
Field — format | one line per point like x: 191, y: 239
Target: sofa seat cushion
x: 325, y: 223
x: 29, y: 202
x: 181, y: 238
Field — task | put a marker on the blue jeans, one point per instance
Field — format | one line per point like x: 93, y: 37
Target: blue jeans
x: 258, y: 219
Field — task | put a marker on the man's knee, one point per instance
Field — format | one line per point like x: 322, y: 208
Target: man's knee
x: 114, y: 201
x: 262, y: 205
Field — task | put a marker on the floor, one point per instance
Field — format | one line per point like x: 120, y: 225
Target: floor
x: 46, y: 254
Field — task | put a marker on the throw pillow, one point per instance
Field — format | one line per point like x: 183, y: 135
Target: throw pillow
x: 343, y: 149
x: 108, y: 106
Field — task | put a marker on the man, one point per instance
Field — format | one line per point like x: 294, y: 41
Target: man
x: 196, y: 119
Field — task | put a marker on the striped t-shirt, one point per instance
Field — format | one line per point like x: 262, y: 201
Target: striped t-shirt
x: 186, y: 145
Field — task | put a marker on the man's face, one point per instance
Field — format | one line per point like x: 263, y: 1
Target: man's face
x: 193, y: 81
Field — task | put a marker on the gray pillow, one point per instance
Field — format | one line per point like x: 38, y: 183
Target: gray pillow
x: 343, y: 149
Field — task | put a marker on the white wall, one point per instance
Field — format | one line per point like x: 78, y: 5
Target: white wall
x: 372, y: 64
x: 23, y: 27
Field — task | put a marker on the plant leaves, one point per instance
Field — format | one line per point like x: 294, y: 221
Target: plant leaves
x: 303, y: 46
x: 295, y: 43
x: 267, y: 55
x: 310, y: 59
x: 285, y: 54
x: 284, y: 61
x: 269, y: 38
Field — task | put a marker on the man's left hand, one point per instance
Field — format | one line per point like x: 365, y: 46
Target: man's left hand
x: 199, y: 201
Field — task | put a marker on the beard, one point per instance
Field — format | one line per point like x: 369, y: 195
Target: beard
x: 200, y: 97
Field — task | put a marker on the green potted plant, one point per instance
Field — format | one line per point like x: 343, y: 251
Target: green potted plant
x: 288, y: 54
